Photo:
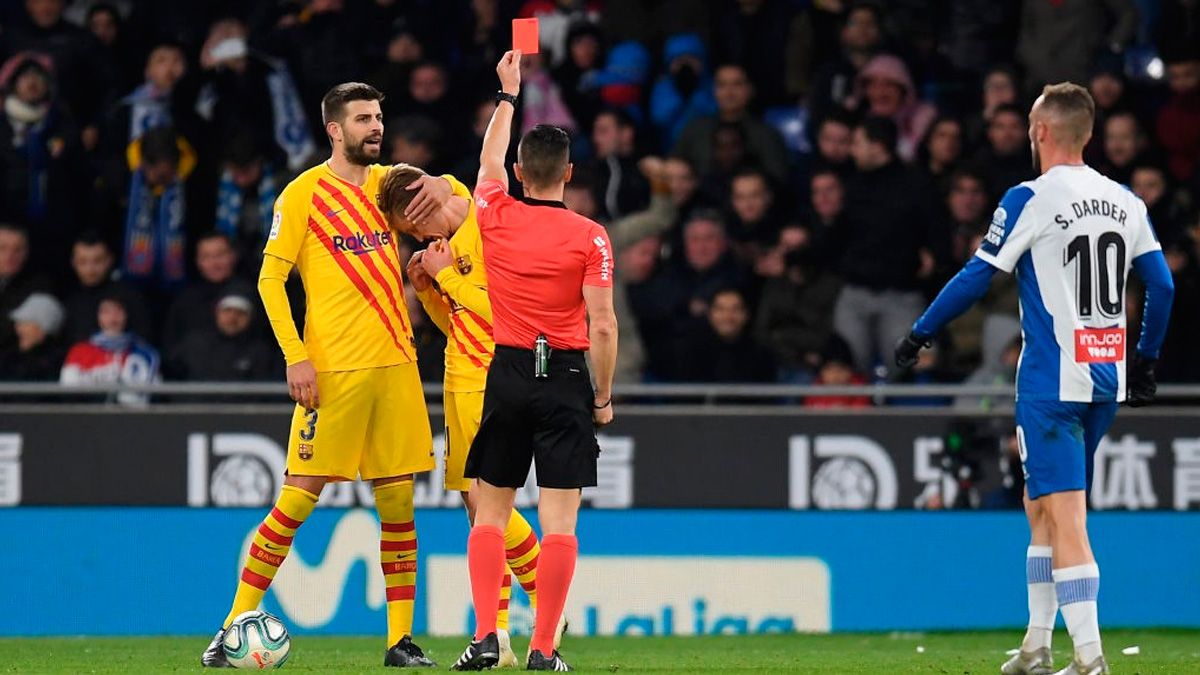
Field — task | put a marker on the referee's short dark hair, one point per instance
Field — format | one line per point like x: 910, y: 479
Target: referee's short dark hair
x: 333, y: 104
x: 881, y: 130
x: 543, y: 156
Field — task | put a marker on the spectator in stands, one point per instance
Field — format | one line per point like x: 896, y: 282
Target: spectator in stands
x: 734, y: 91
x: 683, y: 183
x: 1178, y: 124
x: 153, y: 213
x: 754, y: 221
x: 1000, y: 88
x: 466, y: 167
x: 429, y: 94
x: 1001, y: 351
x: 1107, y: 87
x: 620, y: 83
x: 404, y: 50
x: 620, y: 188
x: 978, y: 33
x: 885, y: 245
x: 942, y: 150
x: 73, y: 51
x: 636, y: 243
x: 415, y: 140
x: 192, y: 310
x: 833, y: 144
x: 836, y: 368
x: 17, y: 279
x: 827, y: 202
x: 233, y: 352
x: 116, y: 54
x: 542, y: 99
x: 708, y: 263
x: 884, y: 88
x: 722, y: 349
x: 1058, y: 40
x: 684, y: 91
x: 157, y: 102
x: 861, y: 37
x: 967, y: 205
x: 38, y: 352
x: 1124, y: 141
x: 312, y: 37
x: 93, y: 262
x: 585, y: 55
x: 112, y: 356
x: 1180, y: 358
x: 1167, y: 207
x: 247, y: 93
x: 636, y: 265
x: 1005, y: 161
x: 247, y: 189
x: 670, y: 303
x: 579, y: 195
x: 761, y: 36
x: 794, y: 314
x: 39, y: 159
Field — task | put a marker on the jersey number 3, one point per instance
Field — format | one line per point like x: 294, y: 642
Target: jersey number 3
x: 1107, y: 275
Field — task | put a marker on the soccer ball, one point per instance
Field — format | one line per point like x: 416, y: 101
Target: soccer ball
x: 256, y: 640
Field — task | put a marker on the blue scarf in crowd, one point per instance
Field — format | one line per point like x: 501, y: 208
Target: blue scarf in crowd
x: 229, y: 203
x: 147, y: 109
x: 154, y: 232
x: 291, y: 125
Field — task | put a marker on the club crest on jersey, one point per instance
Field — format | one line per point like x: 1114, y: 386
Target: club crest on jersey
x: 463, y: 262
x: 305, y: 451
x: 995, y: 233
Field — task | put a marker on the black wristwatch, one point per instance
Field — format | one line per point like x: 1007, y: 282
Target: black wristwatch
x: 501, y: 96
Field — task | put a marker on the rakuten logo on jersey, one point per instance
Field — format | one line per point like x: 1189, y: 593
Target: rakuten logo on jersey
x: 1099, y: 345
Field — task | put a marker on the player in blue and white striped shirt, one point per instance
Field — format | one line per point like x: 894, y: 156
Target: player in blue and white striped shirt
x: 1071, y: 237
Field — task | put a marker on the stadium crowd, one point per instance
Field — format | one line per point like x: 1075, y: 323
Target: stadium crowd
x: 785, y: 182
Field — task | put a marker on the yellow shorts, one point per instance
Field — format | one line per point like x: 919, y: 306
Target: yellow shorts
x: 371, y: 423
x: 464, y: 410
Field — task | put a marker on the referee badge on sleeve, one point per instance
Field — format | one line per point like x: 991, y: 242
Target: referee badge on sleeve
x: 464, y: 264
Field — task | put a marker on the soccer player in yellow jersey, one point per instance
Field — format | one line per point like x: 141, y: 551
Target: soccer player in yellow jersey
x: 459, y: 305
x: 360, y: 405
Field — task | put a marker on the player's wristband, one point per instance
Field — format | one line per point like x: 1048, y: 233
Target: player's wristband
x: 501, y: 96
x: 602, y: 407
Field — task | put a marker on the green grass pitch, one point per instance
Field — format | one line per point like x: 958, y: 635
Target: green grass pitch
x: 1162, y: 652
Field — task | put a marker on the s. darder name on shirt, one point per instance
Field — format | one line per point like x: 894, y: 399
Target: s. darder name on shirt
x: 1086, y: 208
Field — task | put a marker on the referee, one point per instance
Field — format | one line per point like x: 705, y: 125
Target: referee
x: 550, y: 284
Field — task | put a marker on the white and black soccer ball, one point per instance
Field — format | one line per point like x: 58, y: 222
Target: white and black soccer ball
x: 256, y: 640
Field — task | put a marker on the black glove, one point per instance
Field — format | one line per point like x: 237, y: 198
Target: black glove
x: 908, y: 348
x: 1140, y: 384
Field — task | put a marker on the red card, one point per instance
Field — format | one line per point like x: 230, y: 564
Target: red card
x: 525, y: 35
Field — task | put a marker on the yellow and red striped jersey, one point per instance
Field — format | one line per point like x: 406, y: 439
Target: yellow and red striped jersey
x: 461, y: 308
x: 339, y: 241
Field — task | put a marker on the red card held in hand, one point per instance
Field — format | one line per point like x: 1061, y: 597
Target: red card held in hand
x: 525, y: 35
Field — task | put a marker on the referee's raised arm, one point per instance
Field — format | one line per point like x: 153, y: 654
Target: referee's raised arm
x: 499, y: 130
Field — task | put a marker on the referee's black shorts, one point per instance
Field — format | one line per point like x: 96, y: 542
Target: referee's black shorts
x: 545, y: 421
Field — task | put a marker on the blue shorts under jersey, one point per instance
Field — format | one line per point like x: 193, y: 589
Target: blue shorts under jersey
x: 1057, y: 441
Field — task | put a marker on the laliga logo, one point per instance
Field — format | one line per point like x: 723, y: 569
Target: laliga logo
x: 856, y: 473
x: 310, y: 594
x: 248, y: 467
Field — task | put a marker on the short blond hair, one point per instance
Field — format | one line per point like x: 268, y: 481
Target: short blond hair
x: 394, y: 195
x: 1073, y: 110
